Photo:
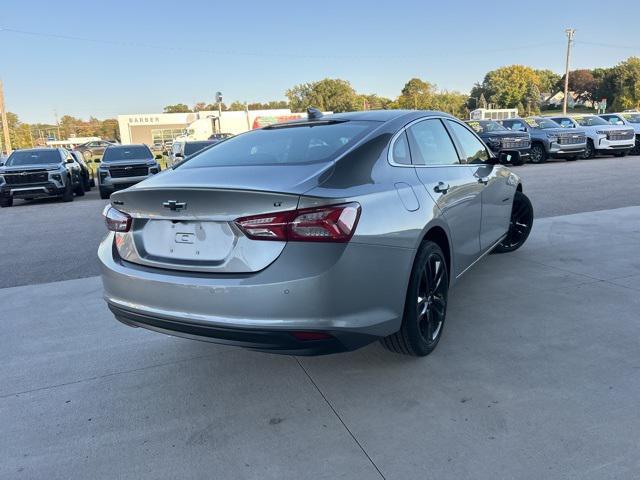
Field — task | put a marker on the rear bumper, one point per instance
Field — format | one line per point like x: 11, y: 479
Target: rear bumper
x: 353, y: 292
x: 274, y: 341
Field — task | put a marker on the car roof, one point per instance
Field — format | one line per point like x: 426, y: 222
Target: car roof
x: 367, y: 115
x: 38, y: 149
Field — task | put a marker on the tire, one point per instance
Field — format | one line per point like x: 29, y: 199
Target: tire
x: 67, y: 196
x: 86, y: 182
x: 520, y: 224
x: 104, y: 195
x: 425, y: 306
x: 636, y: 149
x: 6, y: 202
x: 590, y: 151
x: 621, y: 154
x: 537, y: 154
x: 79, y: 189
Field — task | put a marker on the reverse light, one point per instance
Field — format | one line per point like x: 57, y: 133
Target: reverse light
x: 116, y: 220
x: 334, y: 223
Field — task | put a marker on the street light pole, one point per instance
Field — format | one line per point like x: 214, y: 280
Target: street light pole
x: 570, y: 33
x: 5, y: 123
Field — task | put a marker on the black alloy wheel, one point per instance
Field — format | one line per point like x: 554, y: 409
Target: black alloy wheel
x: 537, y: 153
x: 425, y: 306
x: 520, y: 224
x: 590, y: 151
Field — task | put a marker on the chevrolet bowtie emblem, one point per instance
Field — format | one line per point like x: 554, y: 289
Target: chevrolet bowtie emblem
x: 174, y: 205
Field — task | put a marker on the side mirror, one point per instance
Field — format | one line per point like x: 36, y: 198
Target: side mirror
x: 96, y: 160
x: 1, y: 164
x: 179, y: 155
x: 158, y: 157
x: 69, y: 160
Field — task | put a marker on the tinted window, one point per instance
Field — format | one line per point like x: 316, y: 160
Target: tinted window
x: 285, y: 145
x: 33, y: 157
x: 431, y: 144
x: 474, y: 149
x: 115, y: 154
x: 613, y: 119
x: 193, y: 147
x: 631, y: 117
x: 400, y: 153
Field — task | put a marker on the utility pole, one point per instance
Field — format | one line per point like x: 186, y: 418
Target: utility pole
x: 570, y: 33
x: 58, y: 124
x: 5, y: 123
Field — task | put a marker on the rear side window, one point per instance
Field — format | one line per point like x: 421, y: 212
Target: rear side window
x: 400, y: 152
x: 474, y: 149
x: 430, y: 144
x: 115, y: 154
x: 564, y: 122
x: 285, y: 145
x: 516, y: 126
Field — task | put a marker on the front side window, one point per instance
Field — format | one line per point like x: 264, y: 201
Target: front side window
x: 33, y: 157
x: 430, y: 144
x: 564, y: 122
x: 284, y: 145
x: 515, y: 125
x: 474, y: 150
x: 632, y: 117
x: 613, y: 119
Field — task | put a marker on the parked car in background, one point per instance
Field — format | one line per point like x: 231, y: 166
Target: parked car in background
x: 514, y: 145
x: 123, y: 166
x: 181, y: 149
x: 93, y: 150
x: 602, y: 137
x: 629, y: 119
x: 316, y: 236
x: 548, y: 139
x: 87, y: 173
x: 40, y: 172
x: 220, y: 136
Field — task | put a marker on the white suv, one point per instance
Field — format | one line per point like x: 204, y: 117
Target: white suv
x: 602, y: 137
x: 629, y: 119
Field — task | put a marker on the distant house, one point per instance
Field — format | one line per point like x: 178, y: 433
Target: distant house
x: 556, y: 100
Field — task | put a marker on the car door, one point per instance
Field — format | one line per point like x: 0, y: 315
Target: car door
x: 497, y: 193
x: 451, y: 184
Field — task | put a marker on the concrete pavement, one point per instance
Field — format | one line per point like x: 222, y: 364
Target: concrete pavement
x: 537, y: 376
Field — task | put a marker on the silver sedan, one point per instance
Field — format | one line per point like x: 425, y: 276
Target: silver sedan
x: 315, y: 236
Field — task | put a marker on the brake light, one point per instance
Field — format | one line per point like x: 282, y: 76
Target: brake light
x: 116, y: 220
x: 334, y: 223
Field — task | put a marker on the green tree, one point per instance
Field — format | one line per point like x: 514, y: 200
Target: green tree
x: 584, y: 84
x: 374, y: 102
x: 624, y: 82
x: 417, y: 94
x: 19, y: 133
x: 177, y: 108
x: 507, y: 87
x: 330, y: 94
x: 549, y: 81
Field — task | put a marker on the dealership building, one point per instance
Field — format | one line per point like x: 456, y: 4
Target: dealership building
x: 150, y: 128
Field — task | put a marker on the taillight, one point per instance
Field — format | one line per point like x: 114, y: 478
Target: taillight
x: 116, y: 220
x: 334, y: 223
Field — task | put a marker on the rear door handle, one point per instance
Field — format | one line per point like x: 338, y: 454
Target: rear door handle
x: 441, y: 187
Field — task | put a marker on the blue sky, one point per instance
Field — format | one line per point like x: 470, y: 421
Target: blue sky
x: 167, y: 52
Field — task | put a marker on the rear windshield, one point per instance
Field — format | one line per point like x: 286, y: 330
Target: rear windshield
x: 33, y: 157
x: 193, y: 147
x: 115, y: 154
x: 299, y: 144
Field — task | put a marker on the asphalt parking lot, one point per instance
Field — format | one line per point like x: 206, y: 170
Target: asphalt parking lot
x: 537, y: 374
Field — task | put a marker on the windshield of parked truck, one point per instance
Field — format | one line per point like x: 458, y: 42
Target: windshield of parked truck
x: 116, y: 154
x: 541, y: 123
x: 486, y: 126
x: 631, y: 117
x: 590, y: 121
x: 33, y: 157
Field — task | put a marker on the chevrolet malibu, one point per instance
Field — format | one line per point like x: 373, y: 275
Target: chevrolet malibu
x: 316, y: 236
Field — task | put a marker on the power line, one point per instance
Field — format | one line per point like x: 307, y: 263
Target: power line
x: 608, y: 45
x: 256, y: 53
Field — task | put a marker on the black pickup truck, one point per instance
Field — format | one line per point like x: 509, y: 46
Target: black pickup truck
x: 515, y: 145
